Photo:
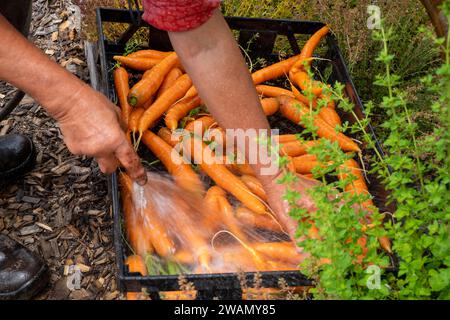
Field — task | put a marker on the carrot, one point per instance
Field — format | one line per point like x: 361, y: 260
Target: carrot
x: 122, y: 89
x: 253, y: 220
x: 228, y: 218
x: 180, y: 110
x: 243, y: 168
x: 141, y: 64
x: 210, y: 201
x: 274, y: 71
x: 183, y: 257
x: 357, y: 186
x: 310, y: 46
x: 204, y: 123
x: 138, y: 239
x: 304, y: 164
x: 385, y: 243
x: 302, y: 79
x: 284, y: 251
x: 192, y: 92
x: 152, y: 54
x: 283, y: 138
x: 296, y: 148
x: 330, y: 116
x: 223, y: 177
x: 271, y: 91
x: 178, y: 295
x: 167, y: 136
x: 169, y: 80
x: 164, y: 102
x: 295, y: 111
x: 150, y: 82
x: 270, y: 106
x: 297, y: 74
x: 134, y: 119
x: 136, y: 264
x: 255, y: 186
x: 182, y: 172
x: 149, y: 102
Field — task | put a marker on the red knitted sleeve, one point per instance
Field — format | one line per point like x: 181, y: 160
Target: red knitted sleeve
x: 178, y: 15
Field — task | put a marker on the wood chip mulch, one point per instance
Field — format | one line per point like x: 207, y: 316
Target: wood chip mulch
x: 60, y: 209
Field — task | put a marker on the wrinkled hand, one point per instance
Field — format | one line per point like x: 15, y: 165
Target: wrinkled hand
x: 276, y: 192
x: 90, y: 126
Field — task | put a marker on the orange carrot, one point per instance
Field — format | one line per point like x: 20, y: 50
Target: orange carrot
x: 274, y: 71
x: 169, y: 80
x: 302, y: 79
x: 152, y: 54
x: 304, y: 164
x: 270, y: 106
x: 228, y: 218
x: 271, y: 91
x: 137, y: 238
x: 285, y: 251
x: 296, y: 148
x: 204, y: 123
x: 310, y: 46
x: 385, y: 243
x: 122, y: 89
x: 167, y: 136
x: 283, y: 138
x: 150, y: 83
x: 295, y: 111
x: 182, y: 172
x: 152, y: 114
x: 253, y: 220
x: 178, y: 295
x: 136, y: 264
x: 180, y: 110
x: 255, y: 186
x: 330, y: 116
x: 242, y: 168
x: 141, y: 64
x: 134, y: 119
x: 192, y: 92
x: 149, y: 102
x: 357, y: 186
x: 223, y: 177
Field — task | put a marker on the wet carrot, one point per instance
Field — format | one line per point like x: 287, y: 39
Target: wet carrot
x: 149, y: 102
x: 122, y: 89
x: 141, y: 64
x: 182, y: 172
x: 169, y: 80
x: 136, y: 264
x: 284, y: 251
x: 330, y: 116
x: 151, y: 81
x: 255, y: 186
x: 163, y: 103
x: 254, y: 220
x: 180, y: 110
x: 295, y: 111
x: 222, y: 176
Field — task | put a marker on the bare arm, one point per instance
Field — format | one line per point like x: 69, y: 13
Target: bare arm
x: 213, y: 60
x: 87, y: 119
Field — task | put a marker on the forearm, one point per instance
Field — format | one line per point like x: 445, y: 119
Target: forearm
x: 29, y: 69
x: 212, y: 58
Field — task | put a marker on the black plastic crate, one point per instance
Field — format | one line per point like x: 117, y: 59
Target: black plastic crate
x: 258, y: 36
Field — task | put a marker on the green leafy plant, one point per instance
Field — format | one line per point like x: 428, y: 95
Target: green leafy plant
x: 415, y: 171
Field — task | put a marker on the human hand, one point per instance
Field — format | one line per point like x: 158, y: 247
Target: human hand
x: 90, y: 125
x: 275, y: 193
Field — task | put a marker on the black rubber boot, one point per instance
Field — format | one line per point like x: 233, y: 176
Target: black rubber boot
x: 22, y: 273
x: 17, y: 156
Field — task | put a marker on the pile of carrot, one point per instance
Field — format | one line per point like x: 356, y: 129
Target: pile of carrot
x: 165, y: 92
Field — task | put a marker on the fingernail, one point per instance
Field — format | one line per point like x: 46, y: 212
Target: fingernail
x: 142, y: 181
